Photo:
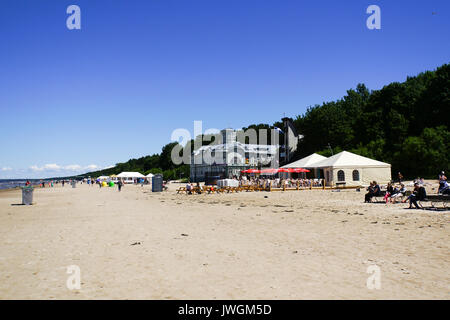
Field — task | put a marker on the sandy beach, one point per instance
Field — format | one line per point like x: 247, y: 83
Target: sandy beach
x: 313, y: 244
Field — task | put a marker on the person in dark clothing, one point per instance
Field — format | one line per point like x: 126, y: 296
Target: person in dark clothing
x: 390, y: 190
x: 374, y: 191
x: 120, y: 184
x: 442, y: 180
x: 369, y: 194
x: 444, y: 188
x: 419, y: 194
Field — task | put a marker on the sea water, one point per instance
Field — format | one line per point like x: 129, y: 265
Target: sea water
x: 14, y: 183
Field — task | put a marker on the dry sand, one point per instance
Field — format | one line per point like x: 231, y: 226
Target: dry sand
x: 310, y: 244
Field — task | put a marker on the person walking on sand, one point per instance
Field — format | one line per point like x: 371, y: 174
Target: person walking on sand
x: 119, y: 184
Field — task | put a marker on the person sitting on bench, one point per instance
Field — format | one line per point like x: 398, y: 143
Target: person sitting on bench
x: 369, y: 194
x: 374, y: 191
x: 444, y: 187
x: 389, y: 192
x: 189, y: 188
x: 398, y: 193
x: 419, y: 195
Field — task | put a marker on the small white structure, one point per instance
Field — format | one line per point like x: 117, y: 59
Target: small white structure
x: 149, y: 177
x: 228, y: 183
x: 103, y: 178
x: 129, y: 177
x: 306, y: 162
x: 349, y: 169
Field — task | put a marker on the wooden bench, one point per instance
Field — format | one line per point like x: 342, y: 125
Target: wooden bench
x: 193, y: 190
x: 181, y: 189
x: 379, y: 197
x: 434, y: 199
x: 340, y: 185
x: 210, y: 189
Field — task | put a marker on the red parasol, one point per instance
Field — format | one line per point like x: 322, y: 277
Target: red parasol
x: 298, y: 170
x: 251, y: 171
x: 269, y: 171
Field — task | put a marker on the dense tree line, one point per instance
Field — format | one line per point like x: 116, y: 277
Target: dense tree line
x: 405, y: 124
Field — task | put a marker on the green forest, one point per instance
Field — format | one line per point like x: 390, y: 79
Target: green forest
x: 405, y: 124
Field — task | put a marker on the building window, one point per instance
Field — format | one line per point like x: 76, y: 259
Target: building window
x: 355, y: 175
x: 341, y: 175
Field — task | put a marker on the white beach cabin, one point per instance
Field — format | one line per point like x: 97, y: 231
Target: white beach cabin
x: 129, y: 177
x: 349, y: 169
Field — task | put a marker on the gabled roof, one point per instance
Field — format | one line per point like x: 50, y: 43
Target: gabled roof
x: 305, y: 162
x: 130, y: 175
x: 348, y: 159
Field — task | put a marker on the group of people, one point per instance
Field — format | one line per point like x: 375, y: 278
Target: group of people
x: 395, y: 193
x: 279, y: 182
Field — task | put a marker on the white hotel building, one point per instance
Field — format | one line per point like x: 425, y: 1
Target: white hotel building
x: 230, y: 158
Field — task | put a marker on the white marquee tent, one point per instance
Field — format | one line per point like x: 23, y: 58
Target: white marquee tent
x: 305, y: 162
x: 350, y: 169
x: 129, y: 177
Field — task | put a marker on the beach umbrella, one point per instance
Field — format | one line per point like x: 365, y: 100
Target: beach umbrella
x: 251, y: 171
x: 299, y: 170
x: 269, y: 171
x: 284, y: 170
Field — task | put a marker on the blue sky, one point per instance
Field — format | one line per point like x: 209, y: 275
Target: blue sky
x: 74, y: 100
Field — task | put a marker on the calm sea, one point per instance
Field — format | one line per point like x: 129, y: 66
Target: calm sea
x: 13, y: 183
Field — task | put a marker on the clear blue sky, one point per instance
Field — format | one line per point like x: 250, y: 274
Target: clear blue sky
x: 137, y: 70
